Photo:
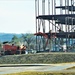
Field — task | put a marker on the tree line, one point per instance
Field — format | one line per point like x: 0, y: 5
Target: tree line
x: 28, y: 40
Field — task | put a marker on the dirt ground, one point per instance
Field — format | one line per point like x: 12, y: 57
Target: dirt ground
x: 14, y: 68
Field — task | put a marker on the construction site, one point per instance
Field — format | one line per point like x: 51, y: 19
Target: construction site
x: 55, y: 25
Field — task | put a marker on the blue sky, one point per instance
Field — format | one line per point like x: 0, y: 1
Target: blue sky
x: 17, y: 16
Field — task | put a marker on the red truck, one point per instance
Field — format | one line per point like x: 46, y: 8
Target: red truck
x: 12, y: 49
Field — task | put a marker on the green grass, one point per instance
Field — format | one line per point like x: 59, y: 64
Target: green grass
x: 71, y: 68
x: 41, y: 73
x: 44, y: 58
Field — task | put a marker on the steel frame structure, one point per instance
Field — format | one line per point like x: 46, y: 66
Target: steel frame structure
x: 60, y: 17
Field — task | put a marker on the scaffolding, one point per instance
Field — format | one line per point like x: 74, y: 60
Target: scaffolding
x: 55, y: 25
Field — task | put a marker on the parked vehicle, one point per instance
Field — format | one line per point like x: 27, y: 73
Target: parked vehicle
x: 9, y: 49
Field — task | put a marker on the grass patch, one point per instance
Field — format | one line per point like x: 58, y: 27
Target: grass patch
x: 71, y: 68
x: 44, y: 58
x: 40, y: 73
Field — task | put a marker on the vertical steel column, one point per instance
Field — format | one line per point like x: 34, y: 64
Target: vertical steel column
x: 68, y: 13
x: 36, y: 20
x: 49, y: 11
x: 65, y: 14
x: 71, y: 7
x: 55, y: 12
x: 52, y: 7
x: 66, y: 22
x: 38, y: 23
x: 52, y: 14
x: 52, y: 1
x: 43, y: 21
x: 60, y: 6
x: 72, y: 13
x: 38, y: 15
x: 49, y: 40
x: 72, y: 18
x: 43, y: 13
x: 55, y: 22
x: 61, y: 26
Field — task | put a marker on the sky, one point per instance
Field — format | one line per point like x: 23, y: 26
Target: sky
x: 17, y: 16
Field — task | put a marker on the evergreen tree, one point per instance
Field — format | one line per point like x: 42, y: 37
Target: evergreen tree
x: 15, y: 40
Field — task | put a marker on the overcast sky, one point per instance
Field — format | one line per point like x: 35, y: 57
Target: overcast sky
x: 17, y: 16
